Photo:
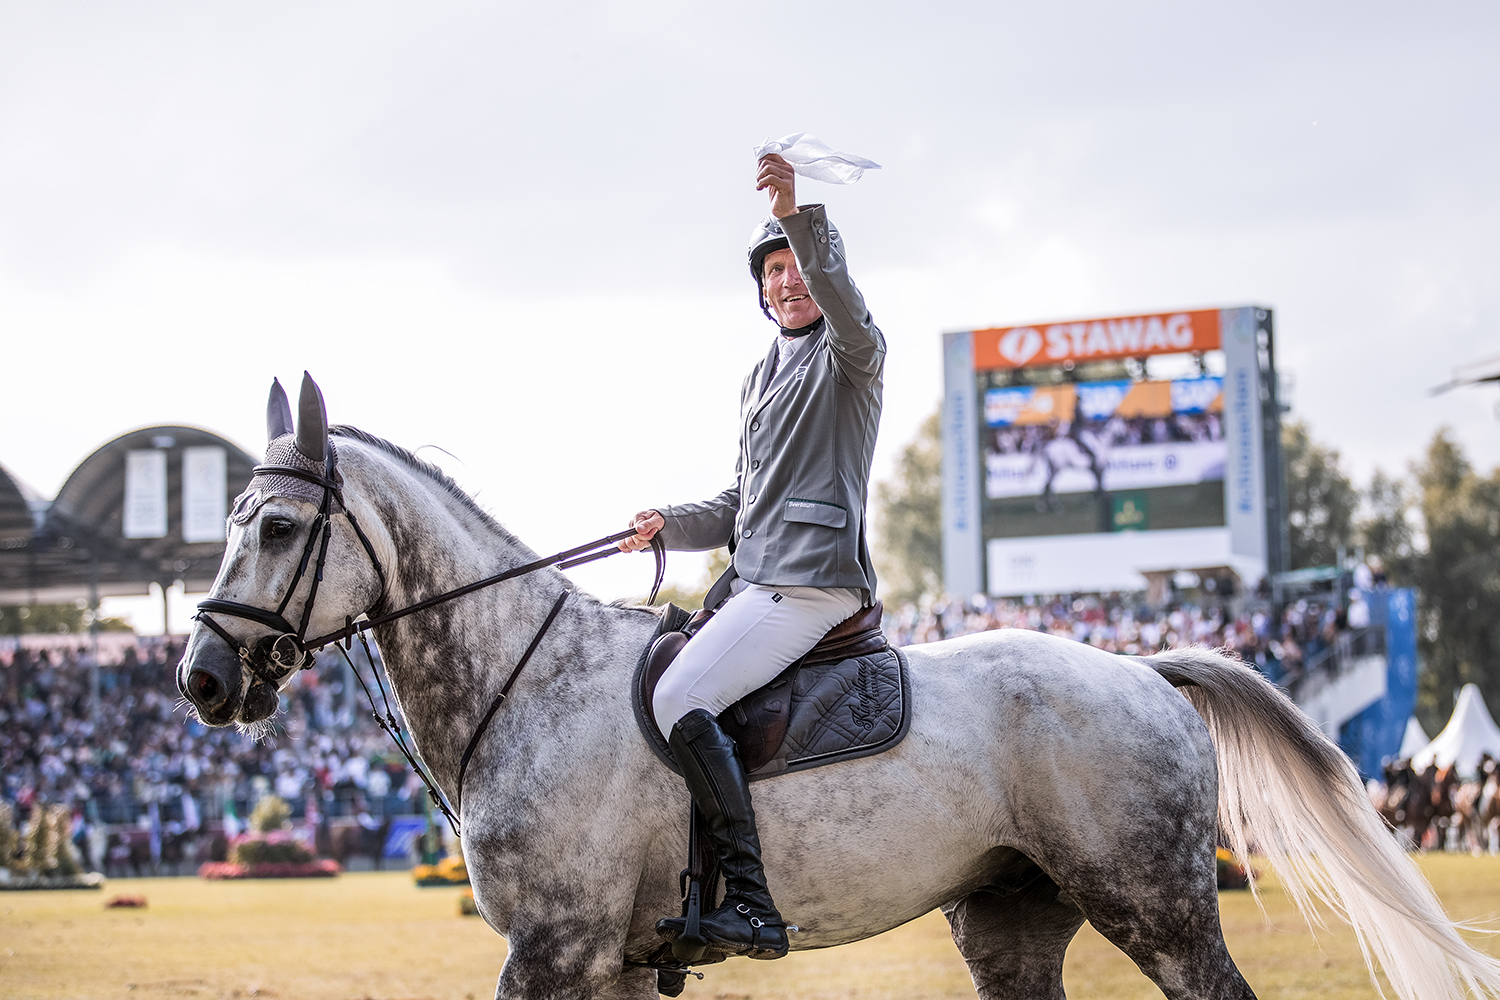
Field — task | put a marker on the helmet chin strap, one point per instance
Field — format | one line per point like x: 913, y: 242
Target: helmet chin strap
x: 802, y: 331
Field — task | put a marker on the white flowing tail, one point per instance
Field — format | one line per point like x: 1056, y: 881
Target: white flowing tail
x: 1288, y: 790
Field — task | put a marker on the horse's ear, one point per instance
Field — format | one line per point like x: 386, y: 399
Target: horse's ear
x: 312, y: 421
x: 278, y: 413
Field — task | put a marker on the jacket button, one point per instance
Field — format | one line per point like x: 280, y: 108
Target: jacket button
x: 748, y: 532
x: 752, y: 498
x: 822, y: 239
x: 755, y: 464
x: 755, y: 426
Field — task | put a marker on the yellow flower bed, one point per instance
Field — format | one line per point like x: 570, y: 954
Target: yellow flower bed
x: 449, y: 871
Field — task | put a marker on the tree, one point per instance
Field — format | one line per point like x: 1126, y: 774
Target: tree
x: 691, y: 598
x: 1459, y: 579
x: 61, y: 619
x: 1321, y: 501
x: 1384, y: 527
x: 909, y: 519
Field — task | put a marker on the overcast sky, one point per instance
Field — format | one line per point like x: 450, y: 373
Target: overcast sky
x: 517, y: 231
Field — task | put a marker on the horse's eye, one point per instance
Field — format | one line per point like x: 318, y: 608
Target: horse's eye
x: 273, y: 528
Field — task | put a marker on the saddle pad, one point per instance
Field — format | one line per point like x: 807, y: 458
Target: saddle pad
x: 839, y: 711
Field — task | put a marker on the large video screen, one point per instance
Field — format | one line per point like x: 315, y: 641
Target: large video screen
x: 1117, y: 455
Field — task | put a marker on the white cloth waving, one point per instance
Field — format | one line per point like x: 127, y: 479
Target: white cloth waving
x: 812, y: 157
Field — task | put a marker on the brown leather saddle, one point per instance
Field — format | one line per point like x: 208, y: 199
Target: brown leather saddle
x: 758, y: 722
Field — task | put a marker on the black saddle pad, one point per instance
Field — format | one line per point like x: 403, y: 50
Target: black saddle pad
x: 839, y: 711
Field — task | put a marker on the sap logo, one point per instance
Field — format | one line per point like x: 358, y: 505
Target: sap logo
x: 1020, y: 345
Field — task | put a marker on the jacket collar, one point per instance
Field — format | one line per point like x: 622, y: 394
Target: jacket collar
x: 805, y: 346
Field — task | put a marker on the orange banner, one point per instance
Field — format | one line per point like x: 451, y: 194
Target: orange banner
x: 1096, y: 339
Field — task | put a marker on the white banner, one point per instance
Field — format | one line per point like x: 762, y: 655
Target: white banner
x: 145, y: 493
x: 1071, y: 467
x: 204, y: 504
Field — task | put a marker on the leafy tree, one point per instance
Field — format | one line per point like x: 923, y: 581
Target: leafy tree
x: 62, y: 619
x: 909, y: 519
x: 1321, y: 501
x: 1384, y: 527
x: 692, y: 597
x: 1459, y: 579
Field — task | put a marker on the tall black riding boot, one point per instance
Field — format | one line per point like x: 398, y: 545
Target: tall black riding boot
x: 746, y: 923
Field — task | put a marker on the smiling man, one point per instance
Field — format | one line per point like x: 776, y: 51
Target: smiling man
x: 794, y: 521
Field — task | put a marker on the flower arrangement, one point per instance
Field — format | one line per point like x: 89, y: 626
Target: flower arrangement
x: 269, y: 850
x: 44, y: 856
x: 279, y: 847
x: 449, y: 871
x: 1232, y: 874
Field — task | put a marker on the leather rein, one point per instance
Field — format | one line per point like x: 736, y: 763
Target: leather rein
x: 274, y: 658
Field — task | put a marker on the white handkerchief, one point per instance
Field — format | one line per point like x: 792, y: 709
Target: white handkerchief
x: 812, y: 157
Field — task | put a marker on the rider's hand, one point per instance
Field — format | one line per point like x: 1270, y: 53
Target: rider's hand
x: 777, y: 175
x: 646, y: 524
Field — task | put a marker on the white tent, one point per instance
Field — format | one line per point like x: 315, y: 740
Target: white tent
x: 1414, y: 741
x: 1468, y: 734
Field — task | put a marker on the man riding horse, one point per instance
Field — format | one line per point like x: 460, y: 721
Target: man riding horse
x: 794, y: 521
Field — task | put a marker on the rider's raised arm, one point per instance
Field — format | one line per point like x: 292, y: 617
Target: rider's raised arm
x: 858, y: 345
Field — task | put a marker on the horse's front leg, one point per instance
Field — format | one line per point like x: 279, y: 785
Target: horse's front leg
x: 568, y: 960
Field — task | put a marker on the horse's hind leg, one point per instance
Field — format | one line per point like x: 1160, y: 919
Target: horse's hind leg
x: 1155, y: 897
x: 1014, y: 942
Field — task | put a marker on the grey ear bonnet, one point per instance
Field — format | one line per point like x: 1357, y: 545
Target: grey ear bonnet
x: 267, y: 485
x: 306, y: 446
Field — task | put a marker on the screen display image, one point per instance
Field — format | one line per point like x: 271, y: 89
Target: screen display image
x: 1100, y: 437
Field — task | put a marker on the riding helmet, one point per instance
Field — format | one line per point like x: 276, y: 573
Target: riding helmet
x: 766, y: 239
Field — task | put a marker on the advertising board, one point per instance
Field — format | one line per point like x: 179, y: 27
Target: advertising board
x: 1096, y: 451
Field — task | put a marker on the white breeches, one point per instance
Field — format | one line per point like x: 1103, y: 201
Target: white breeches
x: 749, y: 640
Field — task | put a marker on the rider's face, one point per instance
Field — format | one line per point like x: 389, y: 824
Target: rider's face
x: 786, y: 293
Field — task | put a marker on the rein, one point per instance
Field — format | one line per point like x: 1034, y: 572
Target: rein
x: 273, y: 659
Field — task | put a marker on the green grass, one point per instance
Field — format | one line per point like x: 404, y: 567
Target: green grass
x: 374, y: 935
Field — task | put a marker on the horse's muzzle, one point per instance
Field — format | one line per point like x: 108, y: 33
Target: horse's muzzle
x: 212, y: 681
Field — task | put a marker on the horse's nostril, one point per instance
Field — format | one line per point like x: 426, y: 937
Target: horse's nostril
x: 204, y: 687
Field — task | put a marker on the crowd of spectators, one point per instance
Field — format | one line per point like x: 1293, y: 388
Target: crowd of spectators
x: 140, y: 759
x: 137, y: 758
x: 1281, y: 647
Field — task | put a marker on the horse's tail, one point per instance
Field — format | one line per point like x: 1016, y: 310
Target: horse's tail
x: 1285, y: 788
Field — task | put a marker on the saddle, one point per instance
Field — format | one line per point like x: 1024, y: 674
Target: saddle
x: 848, y: 694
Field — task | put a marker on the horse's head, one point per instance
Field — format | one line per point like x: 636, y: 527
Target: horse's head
x: 297, y: 564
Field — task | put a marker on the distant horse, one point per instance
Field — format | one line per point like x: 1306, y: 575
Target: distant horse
x: 1074, y: 448
x: 1043, y: 782
x: 347, y: 838
x: 1476, y: 808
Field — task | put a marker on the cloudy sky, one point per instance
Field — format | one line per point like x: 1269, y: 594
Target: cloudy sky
x: 516, y: 232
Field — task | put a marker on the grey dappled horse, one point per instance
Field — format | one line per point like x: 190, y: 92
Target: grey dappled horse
x: 1043, y: 782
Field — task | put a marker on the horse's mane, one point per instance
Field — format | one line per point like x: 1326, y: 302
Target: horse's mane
x: 426, y: 469
x: 442, y: 479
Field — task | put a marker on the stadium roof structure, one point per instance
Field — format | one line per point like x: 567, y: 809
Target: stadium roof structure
x: 76, y: 546
x: 1469, y: 734
x: 17, y: 521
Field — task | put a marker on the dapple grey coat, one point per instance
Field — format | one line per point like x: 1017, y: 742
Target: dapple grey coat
x: 796, y: 511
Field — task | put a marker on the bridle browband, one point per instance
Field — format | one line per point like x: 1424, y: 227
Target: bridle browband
x: 269, y: 663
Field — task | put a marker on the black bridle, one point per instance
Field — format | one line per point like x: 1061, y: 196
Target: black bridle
x: 273, y: 658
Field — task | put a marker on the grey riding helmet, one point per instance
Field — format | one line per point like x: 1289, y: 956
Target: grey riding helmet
x: 766, y: 239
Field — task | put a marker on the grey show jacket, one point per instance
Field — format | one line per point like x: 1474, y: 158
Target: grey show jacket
x: 797, y: 508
